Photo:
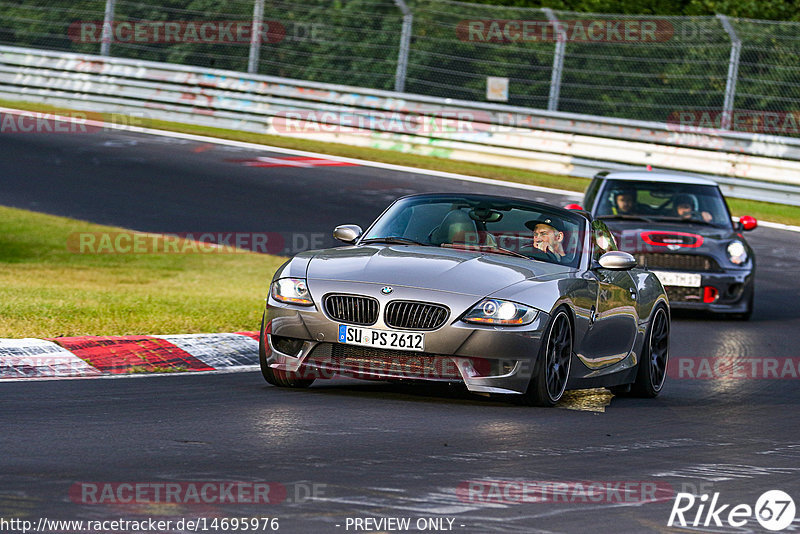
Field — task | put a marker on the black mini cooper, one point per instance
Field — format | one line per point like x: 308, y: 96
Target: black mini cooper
x: 679, y: 227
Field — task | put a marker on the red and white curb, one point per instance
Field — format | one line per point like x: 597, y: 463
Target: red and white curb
x: 97, y: 356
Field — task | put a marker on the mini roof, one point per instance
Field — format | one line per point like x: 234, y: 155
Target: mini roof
x: 658, y: 176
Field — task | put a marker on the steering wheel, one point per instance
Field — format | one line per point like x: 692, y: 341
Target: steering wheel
x: 543, y: 255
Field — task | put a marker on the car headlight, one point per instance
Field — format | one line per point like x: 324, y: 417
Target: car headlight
x: 502, y: 312
x: 737, y: 253
x: 291, y: 291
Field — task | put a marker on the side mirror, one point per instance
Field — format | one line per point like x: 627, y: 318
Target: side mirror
x: 347, y: 233
x: 747, y: 223
x: 616, y: 260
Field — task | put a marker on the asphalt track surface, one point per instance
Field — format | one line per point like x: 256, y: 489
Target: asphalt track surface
x: 347, y: 449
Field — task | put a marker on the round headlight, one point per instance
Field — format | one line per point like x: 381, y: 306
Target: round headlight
x: 300, y: 288
x: 507, y: 311
x: 500, y: 312
x: 489, y: 308
x: 737, y: 252
x: 291, y: 291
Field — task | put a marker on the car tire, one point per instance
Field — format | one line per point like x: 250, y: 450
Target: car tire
x: 549, y: 382
x: 651, y: 372
x: 277, y: 377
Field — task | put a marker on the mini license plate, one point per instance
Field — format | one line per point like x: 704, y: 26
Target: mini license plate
x: 385, y: 339
x: 678, y: 279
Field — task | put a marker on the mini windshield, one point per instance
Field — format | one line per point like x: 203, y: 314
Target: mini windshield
x: 663, y: 201
x: 483, y: 224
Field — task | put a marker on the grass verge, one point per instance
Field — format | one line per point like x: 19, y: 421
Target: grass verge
x: 48, y: 291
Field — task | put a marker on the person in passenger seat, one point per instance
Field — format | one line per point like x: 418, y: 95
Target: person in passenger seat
x: 686, y: 207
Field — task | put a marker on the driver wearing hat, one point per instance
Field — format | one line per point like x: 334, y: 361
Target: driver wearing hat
x: 548, y: 236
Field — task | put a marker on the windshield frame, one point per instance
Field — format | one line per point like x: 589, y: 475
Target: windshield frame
x: 581, y: 220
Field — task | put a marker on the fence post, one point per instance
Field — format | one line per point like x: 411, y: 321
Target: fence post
x: 255, y: 36
x: 405, y: 44
x: 558, y: 60
x: 733, y: 72
x: 108, y: 28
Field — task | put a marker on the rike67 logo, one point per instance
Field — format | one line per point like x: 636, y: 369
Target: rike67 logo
x: 774, y: 510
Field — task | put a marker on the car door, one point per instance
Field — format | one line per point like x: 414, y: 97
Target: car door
x: 614, y: 322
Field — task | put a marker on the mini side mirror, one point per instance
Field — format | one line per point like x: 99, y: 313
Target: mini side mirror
x: 747, y: 223
x: 616, y: 260
x: 347, y: 233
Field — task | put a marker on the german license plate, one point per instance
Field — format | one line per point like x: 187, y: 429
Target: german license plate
x: 385, y: 339
x: 678, y: 279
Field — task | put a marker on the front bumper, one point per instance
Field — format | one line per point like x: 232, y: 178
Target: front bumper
x: 487, y: 359
x: 727, y: 292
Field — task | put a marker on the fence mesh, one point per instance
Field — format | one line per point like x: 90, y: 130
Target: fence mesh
x: 646, y: 67
x: 769, y: 70
x: 682, y: 65
x: 447, y: 59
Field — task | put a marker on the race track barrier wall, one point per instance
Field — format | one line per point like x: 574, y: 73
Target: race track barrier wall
x: 754, y: 166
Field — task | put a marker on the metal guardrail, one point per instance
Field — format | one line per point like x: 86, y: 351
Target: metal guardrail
x: 746, y: 165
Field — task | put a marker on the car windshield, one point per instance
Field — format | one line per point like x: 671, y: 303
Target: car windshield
x: 663, y: 201
x: 492, y: 225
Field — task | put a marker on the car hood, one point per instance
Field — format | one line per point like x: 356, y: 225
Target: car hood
x: 441, y: 269
x: 643, y: 236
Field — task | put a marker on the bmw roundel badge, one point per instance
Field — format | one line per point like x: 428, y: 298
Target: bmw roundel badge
x: 386, y: 290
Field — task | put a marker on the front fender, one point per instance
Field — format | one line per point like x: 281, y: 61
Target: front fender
x: 546, y: 295
x: 649, y: 293
x: 296, y: 267
x: 577, y: 292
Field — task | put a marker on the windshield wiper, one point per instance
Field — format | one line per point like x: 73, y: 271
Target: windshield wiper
x: 629, y: 217
x: 393, y: 239
x: 485, y: 248
x: 505, y: 251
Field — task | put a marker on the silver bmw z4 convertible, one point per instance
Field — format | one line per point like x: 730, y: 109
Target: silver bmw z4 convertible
x: 503, y: 295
